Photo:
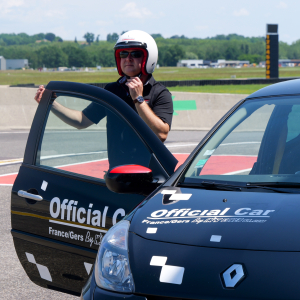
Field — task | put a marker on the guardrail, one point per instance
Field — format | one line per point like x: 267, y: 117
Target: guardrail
x: 216, y: 82
x: 196, y: 82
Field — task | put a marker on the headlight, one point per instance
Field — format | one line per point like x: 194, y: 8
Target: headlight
x: 112, y: 269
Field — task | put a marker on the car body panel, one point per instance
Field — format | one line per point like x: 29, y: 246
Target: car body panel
x: 203, y: 269
x: 289, y: 87
x: 57, y: 266
x: 247, y: 220
x: 36, y: 218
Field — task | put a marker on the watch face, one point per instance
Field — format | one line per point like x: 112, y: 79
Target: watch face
x: 140, y: 99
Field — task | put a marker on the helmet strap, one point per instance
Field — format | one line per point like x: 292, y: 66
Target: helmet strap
x: 138, y: 75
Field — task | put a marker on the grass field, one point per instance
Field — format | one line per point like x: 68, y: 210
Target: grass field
x: 13, y: 77
x: 223, y: 89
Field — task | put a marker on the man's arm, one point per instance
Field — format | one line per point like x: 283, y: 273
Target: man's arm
x: 158, y: 126
x: 72, y: 117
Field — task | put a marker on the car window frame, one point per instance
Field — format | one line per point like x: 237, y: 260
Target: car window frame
x: 163, y: 156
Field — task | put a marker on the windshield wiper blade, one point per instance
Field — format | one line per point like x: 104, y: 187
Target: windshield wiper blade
x: 275, y: 184
x: 213, y: 186
x: 221, y: 186
x: 272, y: 186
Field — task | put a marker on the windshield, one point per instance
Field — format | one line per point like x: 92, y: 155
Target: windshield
x: 259, y: 142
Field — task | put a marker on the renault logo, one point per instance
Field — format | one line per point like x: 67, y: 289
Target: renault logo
x: 232, y: 276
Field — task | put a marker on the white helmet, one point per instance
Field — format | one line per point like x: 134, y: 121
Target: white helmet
x: 142, y: 41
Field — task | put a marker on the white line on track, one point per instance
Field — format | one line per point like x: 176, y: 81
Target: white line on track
x: 8, y: 174
x: 81, y: 163
x: 226, y: 155
x: 11, y: 161
x: 237, y: 172
x: 240, y: 143
x: 71, y: 154
x: 180, y: 145
x: 75, y: 131
x: 6, y: 132
x: 7, y: 184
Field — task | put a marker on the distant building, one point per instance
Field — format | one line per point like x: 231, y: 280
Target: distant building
x: 44, y: 40
x: 296, y: 62
x: 220, y: 63
x: 237, y: 63
x: 13, y: 64
x: 193, y: 63
x: 288, y: 62
x: 2, y: 63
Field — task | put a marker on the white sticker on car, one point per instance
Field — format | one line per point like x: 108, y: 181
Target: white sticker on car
x: 151, y: 230
x: 176, y: 196
x: 70, y: 214
x: 168, y: 192
x: 209, y: 152
x: 215, y: 238
x: 44, y: 185
x: 88, y: 267
x: 158, y: 261
x: 168, y: 274
x: 180, y: 197
x: 197, y: 216
x: 43, y: 270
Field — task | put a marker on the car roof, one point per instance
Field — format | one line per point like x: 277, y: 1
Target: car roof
x: 289, y: 87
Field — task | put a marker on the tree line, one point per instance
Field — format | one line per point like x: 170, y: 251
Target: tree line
x: 25, y: 39
x: 97, y: 52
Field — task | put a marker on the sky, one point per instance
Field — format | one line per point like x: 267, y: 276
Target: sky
x: 192, y: 18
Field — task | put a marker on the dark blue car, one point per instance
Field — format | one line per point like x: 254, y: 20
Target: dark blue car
x: 221, y: 226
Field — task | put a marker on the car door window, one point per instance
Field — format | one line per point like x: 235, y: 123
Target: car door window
x: 293, y: 123
x: 93, y: 150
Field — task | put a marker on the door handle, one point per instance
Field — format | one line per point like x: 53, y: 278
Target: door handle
x: 24, y: 194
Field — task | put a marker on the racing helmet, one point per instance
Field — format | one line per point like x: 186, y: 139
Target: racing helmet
x: 142, y: 41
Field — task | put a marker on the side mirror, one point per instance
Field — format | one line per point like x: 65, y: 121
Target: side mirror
x: 130, y: 179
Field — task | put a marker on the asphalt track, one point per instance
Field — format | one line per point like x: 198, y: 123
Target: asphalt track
x: 14, y: 283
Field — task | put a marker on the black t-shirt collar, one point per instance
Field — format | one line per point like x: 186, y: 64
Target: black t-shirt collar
x: 150, y: 81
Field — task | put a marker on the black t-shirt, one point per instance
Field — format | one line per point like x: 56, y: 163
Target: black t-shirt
x: 120, y: 146
x: 155, y: 94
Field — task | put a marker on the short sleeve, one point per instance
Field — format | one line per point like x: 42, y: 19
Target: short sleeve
x: 163, y: 106
x: 95, y: 112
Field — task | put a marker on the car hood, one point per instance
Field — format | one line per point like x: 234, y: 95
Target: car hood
x: 221, y: 219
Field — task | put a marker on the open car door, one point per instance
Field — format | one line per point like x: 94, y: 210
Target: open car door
x: 60, y: 204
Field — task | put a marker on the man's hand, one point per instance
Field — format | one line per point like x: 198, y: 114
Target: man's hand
x: 39, y: 94
x: 135, y: 86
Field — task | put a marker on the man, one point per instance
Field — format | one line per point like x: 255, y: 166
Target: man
x: 136, y: 56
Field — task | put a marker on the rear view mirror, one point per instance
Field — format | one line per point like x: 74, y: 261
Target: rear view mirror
x: 130, y: 179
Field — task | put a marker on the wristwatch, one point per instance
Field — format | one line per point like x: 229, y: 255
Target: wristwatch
x: 139, y: 99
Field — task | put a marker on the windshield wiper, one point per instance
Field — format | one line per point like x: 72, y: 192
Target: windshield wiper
x: 211, y: 185
x: 273, y: 186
